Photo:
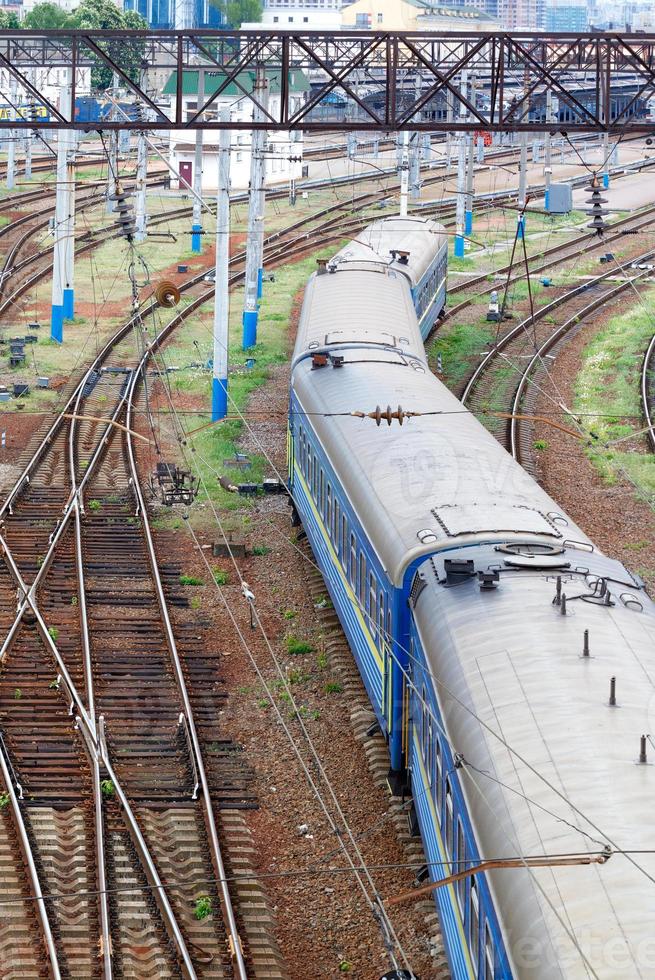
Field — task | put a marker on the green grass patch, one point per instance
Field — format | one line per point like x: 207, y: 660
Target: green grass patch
x: 459, y: 346
x: 190, y: 580
x: 203, y: 908
x: 607, y: 395
x: 297, y: 647
x: 190, y: 351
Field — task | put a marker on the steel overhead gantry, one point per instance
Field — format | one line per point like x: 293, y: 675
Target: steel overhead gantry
x: 352, y: 80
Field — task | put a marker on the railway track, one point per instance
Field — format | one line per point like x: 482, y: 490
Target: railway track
x: 508, y: 378
x: 572, y: 249
x: 115, y: 815
x: 116, y: 796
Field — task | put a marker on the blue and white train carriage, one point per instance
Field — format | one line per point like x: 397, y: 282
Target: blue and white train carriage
x: 415, y: 249
x: 442, y: 557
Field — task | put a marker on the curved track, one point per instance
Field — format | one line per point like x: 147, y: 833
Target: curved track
x: 504, y: 381
x: 648, y: 390
x: 113, y: 805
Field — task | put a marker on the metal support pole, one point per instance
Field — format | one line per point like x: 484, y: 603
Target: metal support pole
x: 222, y: 295
x: 28, y: 149
x: 69, y: 230
x: 261, y: 193
x: 404, y: 174
x: 450, y: 101
x: 415, y: 167
x: 523, y: 183
x: 461, y: 198
x: 196, y: 227
x: 112, y: 163
x: 470, y: 165
x: 606, y: 160
x: 141, y: 185
x: 254, y: 272
x: 59, y: 265
x: 11, y: 146
x: 548, y: 168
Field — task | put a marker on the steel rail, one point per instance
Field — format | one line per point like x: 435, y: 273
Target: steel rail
x: 105, y: 944
x: 90, y: 731
x: 549, y: 343
x: 538, y: 315
x: 648, y: 390
x: 85, y: 722
x: 592, y: 240
x: 217, y: 859
x: 35, y: 884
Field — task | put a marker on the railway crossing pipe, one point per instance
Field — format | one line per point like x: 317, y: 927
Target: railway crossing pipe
x: 221, y: 279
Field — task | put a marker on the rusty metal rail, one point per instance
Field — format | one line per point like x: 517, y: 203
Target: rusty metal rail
x: 648, y: 390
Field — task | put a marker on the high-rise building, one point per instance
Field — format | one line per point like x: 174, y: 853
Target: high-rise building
x: 186, y: 14
x: 567, y: 17
x: 520, y: 15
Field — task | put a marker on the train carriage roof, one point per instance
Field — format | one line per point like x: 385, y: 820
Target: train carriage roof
x: 406, y: 245
x: 441, y: 480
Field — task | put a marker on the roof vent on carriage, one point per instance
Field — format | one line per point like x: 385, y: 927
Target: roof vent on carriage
x: 400, y: 255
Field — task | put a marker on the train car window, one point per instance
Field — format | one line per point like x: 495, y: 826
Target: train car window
x: 344, y: 540
x: 362, y: 579
x: 335, y: 525
x: 439, y: 775
x: 321, y: 492
x: 488, y: 954
x: 389, y: 625
x: 353, y: 561
x: 328, y: 509
x: 461, y: 856
x: 372, y: 603
x: 449, y: 818
x: 383, y: 638
x: 474, y: 925
x: 314, y: 474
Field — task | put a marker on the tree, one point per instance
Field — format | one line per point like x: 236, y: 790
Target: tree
x: 104, y: 15
x: 236, y: 12
x: 46, y: 17
x: 8, y: 21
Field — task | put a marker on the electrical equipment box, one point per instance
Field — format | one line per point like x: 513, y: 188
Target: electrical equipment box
x: 560, y: 199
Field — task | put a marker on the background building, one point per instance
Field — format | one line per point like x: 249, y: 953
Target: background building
x: 414, y: 15
x: 302, y: 17
x: 279, y: 168
x: 181, y: 14
x: 567, y: 17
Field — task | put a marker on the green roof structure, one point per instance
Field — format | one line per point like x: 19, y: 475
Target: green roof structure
x: 298, y: 82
